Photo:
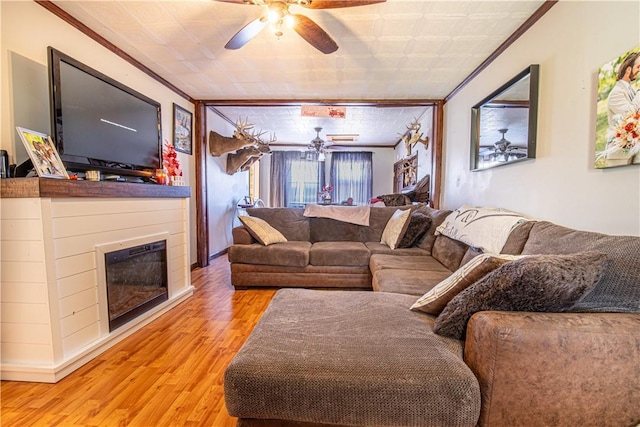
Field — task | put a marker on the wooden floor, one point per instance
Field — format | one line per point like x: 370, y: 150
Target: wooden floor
x: 170, y: 373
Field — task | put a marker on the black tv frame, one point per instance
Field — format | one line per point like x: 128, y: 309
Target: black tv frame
x: 132, y: 170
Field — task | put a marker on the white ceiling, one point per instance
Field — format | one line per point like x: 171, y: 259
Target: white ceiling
x: 397, y: 50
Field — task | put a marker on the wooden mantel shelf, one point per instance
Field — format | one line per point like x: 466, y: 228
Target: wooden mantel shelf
x: 63, y: 188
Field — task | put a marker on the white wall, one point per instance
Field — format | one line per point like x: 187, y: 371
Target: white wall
x: 223, y: 191
x: 383, y: 159
x: 570, y: 42
x: 27, y: 30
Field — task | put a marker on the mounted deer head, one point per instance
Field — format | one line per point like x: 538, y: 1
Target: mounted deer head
x: 243, y: 136
x: 242, y: 159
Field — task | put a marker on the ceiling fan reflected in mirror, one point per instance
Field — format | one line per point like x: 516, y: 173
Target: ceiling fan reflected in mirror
x: 502, y: 150
x: 278, y: 16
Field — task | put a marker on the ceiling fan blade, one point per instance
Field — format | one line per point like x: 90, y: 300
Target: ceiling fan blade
x: 248, y: 32
x: 334, y: 4
x: 314, y: 35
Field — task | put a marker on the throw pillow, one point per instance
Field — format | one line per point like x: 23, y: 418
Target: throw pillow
x: 261, y: 230
x: 419, y: 224
x: 437, y: 298
x: 395, y: 228
x: 484, y: 228
x: 545, y: 283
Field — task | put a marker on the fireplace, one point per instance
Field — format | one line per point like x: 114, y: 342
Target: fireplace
x: 136, y: 279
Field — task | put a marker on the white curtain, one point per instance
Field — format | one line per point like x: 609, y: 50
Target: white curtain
x: 352, y: 176
x: 296, y: 178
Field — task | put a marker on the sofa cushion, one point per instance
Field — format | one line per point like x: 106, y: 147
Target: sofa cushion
x: 395, y: 228
x: 331, y: 230
x: 437, y: 298
x: 546, y: 283
x: 379, y: 248
x: 410, y: 282
x: 480, y: 227
x: 400, y: 262
x: 437, y: 217
x: 517, y: 238
x: 378, y: 218
x: 350, y: 358
x: 291, y: 254
x: 339, y: 253
x: 449, y: 251
x: 419, y: 224
x: 618, y: 291
x: 262, y: 231
x: 288, y: 221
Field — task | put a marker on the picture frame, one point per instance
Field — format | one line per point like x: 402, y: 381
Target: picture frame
x: 182, y: 129
x: 617, y: 113
x: 43, y: 154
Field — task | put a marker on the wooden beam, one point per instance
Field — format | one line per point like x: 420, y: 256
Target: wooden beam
x: 202, y: 209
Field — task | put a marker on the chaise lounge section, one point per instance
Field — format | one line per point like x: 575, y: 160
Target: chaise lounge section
x: 358, y: 358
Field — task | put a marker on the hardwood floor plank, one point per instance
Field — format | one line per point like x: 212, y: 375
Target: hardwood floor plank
x: 169, y: 373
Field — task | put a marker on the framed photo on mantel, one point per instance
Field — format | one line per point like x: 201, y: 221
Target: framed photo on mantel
x: 182, y: 129
x: 43, y: 154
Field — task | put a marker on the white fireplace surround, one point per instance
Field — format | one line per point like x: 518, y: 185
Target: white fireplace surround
x: 54, y: 314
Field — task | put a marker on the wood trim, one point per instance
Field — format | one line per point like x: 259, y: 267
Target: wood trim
x: 60, y: 13
x: 436, y: 157
x: 548, y: 4
x: 63, y: 188
x: 380, y: 103
x: 218, y: 254
x: 202, y: 208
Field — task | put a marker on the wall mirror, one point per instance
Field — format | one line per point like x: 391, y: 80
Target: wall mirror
x: 503, y: 125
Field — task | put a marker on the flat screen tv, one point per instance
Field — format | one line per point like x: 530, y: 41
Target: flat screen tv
x: 100, y: 124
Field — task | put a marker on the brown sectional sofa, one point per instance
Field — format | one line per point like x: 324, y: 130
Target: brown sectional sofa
x: 359, y: 358
x: 319, y: 253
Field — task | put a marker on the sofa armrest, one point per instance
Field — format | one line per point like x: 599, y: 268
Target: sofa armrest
x: 541, y: 369
x: 241, y: 236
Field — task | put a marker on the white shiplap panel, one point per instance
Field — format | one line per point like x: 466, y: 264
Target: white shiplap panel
x: 72, y: 265
x: 81, y: 339
x: 26, y: 334
x: 28, y: 313
x: 70, y: 246
x: 24, y: 292
x: 23, y: 272
x: 96, y: 207
x: 21, y: 229
x: 27, y: 354
x: 77, y: 302
x: 20, y: 209
x: 80, y: 320
x: 76, y: 226
x: 25, y: 250
x: 179, y: 239
x: 77, y: 283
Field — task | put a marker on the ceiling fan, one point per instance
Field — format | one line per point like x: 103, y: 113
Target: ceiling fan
x: 318, y: 145
x: 278, y: 15
x: 503, y: 150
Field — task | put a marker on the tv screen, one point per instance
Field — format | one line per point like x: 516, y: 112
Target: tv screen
x: 100, y: 124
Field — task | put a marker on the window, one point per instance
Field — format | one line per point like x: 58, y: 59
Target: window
x: 351, y: 176
x: 296, y: 178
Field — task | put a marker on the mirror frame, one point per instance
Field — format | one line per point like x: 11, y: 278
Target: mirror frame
x: 533, y: 71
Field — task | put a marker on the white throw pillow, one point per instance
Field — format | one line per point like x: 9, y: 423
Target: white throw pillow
x: 395, y: 228
x: 484, y: 228
x: 261, y: 230
x: 434, y: 301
